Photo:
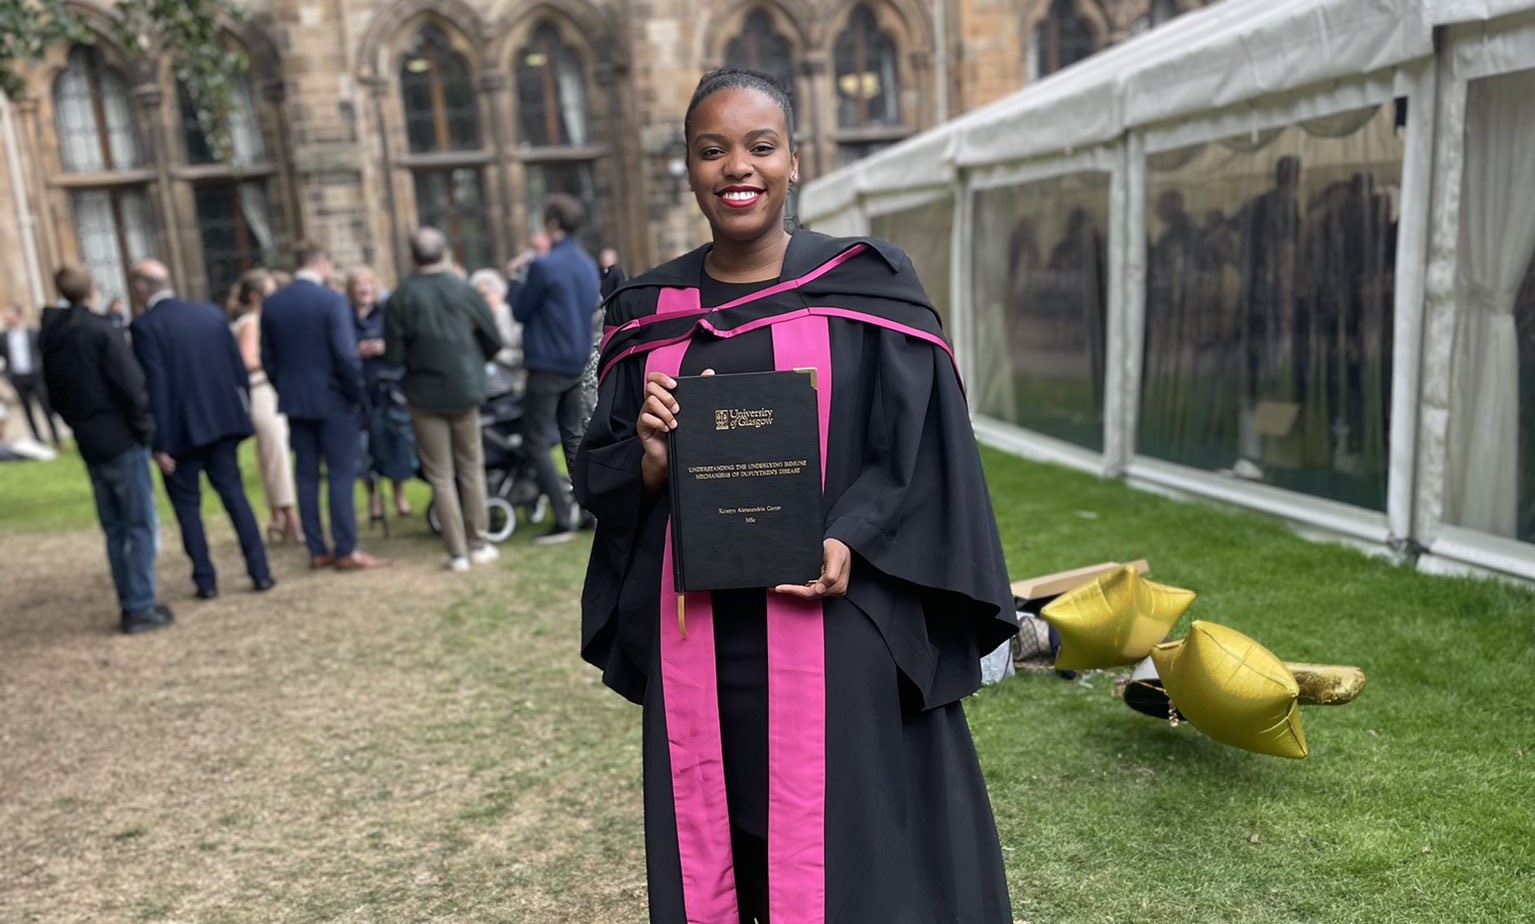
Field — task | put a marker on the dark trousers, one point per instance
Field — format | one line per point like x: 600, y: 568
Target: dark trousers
x: 333, y: 439
x: 29, y: 391
x: 125, y: 505
x: 221, y: 462
x: 552, y: 399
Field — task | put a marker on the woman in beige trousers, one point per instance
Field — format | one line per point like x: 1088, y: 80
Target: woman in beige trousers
x: 272, y: 456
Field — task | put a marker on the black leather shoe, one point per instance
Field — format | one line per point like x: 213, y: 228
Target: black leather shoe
x: 264, y: 585
x: 207, y: 593
x: 147, y: 620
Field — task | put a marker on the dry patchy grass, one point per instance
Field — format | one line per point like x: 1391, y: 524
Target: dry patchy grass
x: 404, y: 745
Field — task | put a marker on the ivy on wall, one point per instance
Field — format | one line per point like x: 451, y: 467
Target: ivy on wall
x: 187, y: 30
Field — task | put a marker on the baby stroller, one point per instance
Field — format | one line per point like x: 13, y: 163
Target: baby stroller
x: 511, y: 484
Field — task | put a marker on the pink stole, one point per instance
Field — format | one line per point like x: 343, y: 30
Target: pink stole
x: 796, y: 697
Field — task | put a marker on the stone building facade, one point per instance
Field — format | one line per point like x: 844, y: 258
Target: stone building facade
x: 361, y: 119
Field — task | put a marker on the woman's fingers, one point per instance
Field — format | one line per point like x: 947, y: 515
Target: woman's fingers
x: 836, y: 569
x: 660, y: 409
x: 837, y: 566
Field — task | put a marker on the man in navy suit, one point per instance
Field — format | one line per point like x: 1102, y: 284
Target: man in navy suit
x: 309, y: 351
x: 198, y: 395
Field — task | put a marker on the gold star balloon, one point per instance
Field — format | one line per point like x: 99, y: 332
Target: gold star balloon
x: 1114, y: 619
x: 1233, y: 689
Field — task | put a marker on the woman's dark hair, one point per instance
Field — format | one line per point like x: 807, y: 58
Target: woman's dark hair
x: 736, y: 78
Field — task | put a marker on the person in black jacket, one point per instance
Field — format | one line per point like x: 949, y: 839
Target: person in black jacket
x: 98, y: 388
x: 18, y: 347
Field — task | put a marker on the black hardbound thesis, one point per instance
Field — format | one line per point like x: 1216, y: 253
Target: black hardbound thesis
x: 745, y: 475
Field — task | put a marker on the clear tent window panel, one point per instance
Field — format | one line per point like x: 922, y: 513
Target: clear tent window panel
x: 868, y: 74
x: 441, y: 108
x: 1270, y: 287
x: 926, y: 233
x: 1490, y: 461
x: 552, y: 106
x: 761, y: 47
x: 1041, y: 304
x: 453, y: 201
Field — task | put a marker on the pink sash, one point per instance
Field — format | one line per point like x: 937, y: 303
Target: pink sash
x: 796, y: 699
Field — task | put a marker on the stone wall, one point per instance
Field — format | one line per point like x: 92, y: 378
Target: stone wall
x: 326, y: 76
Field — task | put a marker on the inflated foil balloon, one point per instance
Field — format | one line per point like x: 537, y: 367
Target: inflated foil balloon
x: 1114, y: 619
x: 1233, y: 689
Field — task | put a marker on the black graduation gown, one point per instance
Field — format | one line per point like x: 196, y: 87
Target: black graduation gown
x: 908, y: 832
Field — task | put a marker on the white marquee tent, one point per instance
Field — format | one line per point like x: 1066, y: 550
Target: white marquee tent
x: 1277, y: 254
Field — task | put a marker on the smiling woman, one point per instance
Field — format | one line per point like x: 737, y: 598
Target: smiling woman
x: 741, y: 162
x: 806, y: 756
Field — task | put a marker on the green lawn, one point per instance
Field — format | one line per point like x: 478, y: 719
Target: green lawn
x: 1417, y: 803
x: 45, y: 497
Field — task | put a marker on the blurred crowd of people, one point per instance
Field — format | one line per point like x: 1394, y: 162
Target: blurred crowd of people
x: 329, y: 370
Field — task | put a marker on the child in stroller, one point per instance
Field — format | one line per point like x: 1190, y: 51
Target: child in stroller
x: 510, y: 482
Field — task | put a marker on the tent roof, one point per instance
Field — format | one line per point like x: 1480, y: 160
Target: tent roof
x: 1450, y: 12
x: 1210, y: 59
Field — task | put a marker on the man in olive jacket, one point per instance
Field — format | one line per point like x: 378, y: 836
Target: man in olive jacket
x: 439, y: 329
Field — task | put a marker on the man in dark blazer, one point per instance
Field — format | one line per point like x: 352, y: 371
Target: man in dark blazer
x: 199, y: 396
x: 309, y: 351
x: 23, y: 367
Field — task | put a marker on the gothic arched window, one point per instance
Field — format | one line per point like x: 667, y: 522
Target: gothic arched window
x: 244, y: 127
x: 94, y: 119
x: 441, y: 112
x: 442, y: 116
x: 554, y: 127
x: 1060, y: 40
x: 868, y: 81
x: 551, y: 93
x: 1161, y: 11
x: 234, y: 222
x: 760, y: 47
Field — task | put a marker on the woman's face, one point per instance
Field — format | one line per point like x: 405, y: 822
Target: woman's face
x: 364, y: 292
x: 739, y: 163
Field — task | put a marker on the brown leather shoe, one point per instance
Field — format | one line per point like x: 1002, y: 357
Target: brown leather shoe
x: 321, y: 561
x: 359, y: 560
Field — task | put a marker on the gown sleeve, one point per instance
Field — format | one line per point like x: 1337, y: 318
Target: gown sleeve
x: 916, y: 512
x: 608, y: 483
